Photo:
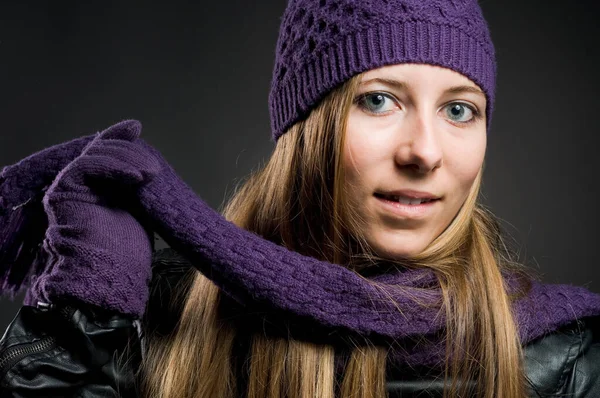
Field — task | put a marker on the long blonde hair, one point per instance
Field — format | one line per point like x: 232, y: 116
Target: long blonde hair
x: 297, y: 200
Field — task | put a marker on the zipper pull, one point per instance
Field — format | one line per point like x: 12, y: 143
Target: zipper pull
x: 44, y: 306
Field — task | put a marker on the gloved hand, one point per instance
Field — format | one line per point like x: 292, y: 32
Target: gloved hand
x: 23, y: 222
x: 98, y: 252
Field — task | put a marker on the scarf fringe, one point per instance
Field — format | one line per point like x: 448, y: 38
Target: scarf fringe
x: 22, y: 230
x: 23, y: 220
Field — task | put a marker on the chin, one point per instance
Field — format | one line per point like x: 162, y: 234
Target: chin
x: 394, y: 253
x: 397, y: 246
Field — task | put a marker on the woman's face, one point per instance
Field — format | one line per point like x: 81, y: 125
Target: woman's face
x: 414, y: 131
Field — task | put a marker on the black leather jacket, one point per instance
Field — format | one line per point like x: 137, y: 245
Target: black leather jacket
x: 68, y: 351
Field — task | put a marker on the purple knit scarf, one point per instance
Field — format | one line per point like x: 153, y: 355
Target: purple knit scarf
x: 254, y: 270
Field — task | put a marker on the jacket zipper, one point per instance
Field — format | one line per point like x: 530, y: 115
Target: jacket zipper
x: 15, y: 354
x: 20, y: 351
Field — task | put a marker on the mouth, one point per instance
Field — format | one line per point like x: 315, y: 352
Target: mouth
x: 405, y: 200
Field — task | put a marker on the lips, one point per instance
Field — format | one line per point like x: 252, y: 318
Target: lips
x: 404, y: 199
x: 406, y: 208
x: 407, y: 197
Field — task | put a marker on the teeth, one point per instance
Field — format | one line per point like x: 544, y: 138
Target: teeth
x: 407, y: 201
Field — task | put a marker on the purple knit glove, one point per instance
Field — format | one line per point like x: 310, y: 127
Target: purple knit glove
x: 98, y: 252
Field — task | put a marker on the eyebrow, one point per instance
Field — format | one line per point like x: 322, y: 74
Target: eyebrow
x: 399, y: 85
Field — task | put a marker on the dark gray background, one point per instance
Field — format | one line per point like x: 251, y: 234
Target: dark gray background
x: 197, y: 75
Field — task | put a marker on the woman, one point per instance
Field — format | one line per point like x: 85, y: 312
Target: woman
x: 380, y: 111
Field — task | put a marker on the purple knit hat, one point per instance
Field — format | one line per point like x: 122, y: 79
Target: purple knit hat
x: 323, y: 43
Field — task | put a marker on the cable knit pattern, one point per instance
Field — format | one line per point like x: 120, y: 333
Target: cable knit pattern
x: 323, y: 43
x: 254, y: 270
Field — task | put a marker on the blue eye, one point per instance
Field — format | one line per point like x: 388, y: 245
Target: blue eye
x: 379, y: 103
x: 376, y: 102
x: 457, y: 111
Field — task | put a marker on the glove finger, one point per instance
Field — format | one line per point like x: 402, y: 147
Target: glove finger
x: 97, y: 167
x: 124, y: 151
x: 127, y: 130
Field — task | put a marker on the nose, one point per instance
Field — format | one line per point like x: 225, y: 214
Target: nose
x: 419, y: 148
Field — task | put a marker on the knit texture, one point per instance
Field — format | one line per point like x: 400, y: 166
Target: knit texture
x: 253, y: 270
x: 22, y: 217
x: 91, y: 226
x: 323, y: 43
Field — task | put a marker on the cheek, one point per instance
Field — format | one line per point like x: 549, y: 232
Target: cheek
x: 357, y: 163
x: 465, y: 162
x: 355, y: 157
x: 365, y: 148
